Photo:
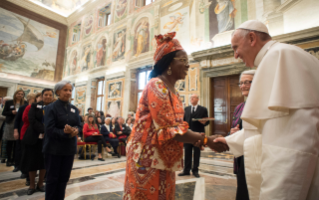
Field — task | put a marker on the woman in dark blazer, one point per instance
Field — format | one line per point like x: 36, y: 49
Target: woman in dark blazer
x: 62, y: 122
x: 10, y: 111
x: 107, y: 134
x: 32, y: 159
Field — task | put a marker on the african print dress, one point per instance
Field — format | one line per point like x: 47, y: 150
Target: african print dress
x: 153, y: 155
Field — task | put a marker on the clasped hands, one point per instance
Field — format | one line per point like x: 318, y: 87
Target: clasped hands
x: 216, y: 142
x: 72, y: 131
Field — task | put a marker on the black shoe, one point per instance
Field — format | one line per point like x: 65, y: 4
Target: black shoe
x: 110, y: 152
x: 16, y: 169
x: 9, y: 164
x: 23, y: 176
x: 31, y: 191
x: 3, y: 160
x: 101, y: 159
x: 119, y: 155
x: 27, y: 183
x: 41, y: 189
x: 184, y: 174
x: 196, y: 174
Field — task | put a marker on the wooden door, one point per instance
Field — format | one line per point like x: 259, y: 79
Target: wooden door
x: 3, y: 91
x: 226, y: 96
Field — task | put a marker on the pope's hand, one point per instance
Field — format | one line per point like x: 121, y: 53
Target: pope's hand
x: 215, y: 144
x: 234, y: 130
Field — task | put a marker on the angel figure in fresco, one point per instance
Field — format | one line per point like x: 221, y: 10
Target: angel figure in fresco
x: 176, y: 21
x: 142, y: 38
x: 225, y: 11
x: 86, y: 59
x: 101, y: 52
x: 119, y: 47
x: 120, y: 7
x: 115, y: 91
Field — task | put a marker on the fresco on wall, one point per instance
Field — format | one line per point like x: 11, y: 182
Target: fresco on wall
x: 142, y: 37
x: 114, y: 108
x: 221, y: 16
x: 86, y: 62
x: 120, y: 9
x: 80, y: 95
x: 27, y: 47
x: 74, y: 63
x: 115, y: 90
x: 119, y: 45
x: 88, y: 25
x: 177, y: 21
x: 29, y: 89
x: 180, y: 85
x: 101, y: 52
x: 61, y: 7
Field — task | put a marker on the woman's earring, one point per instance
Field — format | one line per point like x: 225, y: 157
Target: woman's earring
x: 169, y: 71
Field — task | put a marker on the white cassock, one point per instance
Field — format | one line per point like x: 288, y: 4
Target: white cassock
x: 280, y: 139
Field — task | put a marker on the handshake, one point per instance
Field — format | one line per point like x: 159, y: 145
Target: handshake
x: 216, y: 142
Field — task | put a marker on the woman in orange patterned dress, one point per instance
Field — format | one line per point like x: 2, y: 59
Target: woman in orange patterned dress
x: 155, y: 147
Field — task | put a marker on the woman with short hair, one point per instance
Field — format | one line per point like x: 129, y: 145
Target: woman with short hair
x: 33, y: 159
x: 10, y: 110
x: 61, y: 120
x: 245, y: 80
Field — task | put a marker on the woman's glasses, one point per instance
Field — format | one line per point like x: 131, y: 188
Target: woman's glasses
x: 246, y: 83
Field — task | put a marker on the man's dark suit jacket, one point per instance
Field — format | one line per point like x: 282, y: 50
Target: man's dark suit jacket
x: 201, y: 112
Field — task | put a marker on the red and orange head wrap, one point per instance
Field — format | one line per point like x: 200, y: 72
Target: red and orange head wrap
x: 165, y: 45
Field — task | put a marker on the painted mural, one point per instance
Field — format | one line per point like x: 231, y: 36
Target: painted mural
x: 62, y: 7
x: 88, y: 25
x: 30, y: 89
x: 114, y: 108
x: 101, y: 49
x: 119, y: 45
x: 142, y: 37
x: 114, y: 98
x: 80, y: 95
x: 27, y: 47
x: 74, y: 63
x: 177, y: 21
x: 115, y: 90
x: 221, y: 16
x: 120, y: 9
x: 86, y: 61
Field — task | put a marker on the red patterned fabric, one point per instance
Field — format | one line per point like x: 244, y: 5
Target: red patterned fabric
x: 165, y: 45
x: 153, y: 155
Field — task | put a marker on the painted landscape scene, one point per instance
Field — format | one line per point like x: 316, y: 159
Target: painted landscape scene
x: 27, y: 47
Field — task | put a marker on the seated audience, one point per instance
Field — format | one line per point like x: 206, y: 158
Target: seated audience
x: 130, y: 122
x: 92, y: 134
x: 109, y: 136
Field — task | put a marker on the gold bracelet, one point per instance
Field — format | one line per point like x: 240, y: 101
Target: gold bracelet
x: 205, y: 141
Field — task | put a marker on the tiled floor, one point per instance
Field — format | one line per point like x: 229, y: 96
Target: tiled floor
x: 104, y: 180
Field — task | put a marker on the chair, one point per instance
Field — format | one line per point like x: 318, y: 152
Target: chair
x: 81, y: 144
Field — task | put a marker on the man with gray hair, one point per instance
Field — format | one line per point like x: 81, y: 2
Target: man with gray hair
x: 279, y: 139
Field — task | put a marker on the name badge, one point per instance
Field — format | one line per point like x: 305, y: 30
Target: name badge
x: 72, y: 110
x: 39, y: 106
x: 12, y: 106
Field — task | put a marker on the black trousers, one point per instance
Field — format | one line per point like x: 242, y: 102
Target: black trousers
x: 18, y: 153
x: 58, y: 171
x: 10, y: 150
x: 188, y: 158
x: 100, y: 141
x: 242, y: 190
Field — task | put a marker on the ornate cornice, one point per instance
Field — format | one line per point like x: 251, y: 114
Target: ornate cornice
x: 40, y: 10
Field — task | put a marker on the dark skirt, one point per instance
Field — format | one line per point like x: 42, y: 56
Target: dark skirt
x: 32, y: 157
x: 242, y: 190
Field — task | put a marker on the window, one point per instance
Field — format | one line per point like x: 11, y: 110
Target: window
x: 141, y: 3
x: 76, y: 33
x: 100, y: 94
x: 142, y: 77
x: 105, y: 16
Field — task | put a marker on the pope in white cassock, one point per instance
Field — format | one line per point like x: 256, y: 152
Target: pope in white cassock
x: 279, y: 139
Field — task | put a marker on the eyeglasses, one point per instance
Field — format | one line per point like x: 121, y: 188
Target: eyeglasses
x: 244, y: 83
x: 184, y: 60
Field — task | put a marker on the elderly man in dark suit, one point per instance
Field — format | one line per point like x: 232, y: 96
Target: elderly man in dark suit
x: 194, y: 111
